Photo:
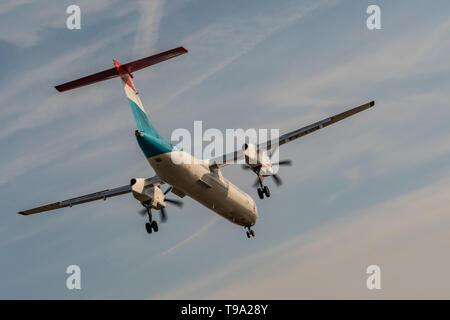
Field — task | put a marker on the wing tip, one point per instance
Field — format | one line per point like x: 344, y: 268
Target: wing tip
x: 372, y: 103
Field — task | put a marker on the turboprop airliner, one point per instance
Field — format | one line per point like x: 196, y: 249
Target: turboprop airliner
x: 201, y: 180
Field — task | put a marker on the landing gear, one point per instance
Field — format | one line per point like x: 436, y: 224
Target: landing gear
x: 262, y: 190
x: 250, y: 232
x: 260, y: 193
x: 154, y: 225
x: 266, y: 191
x: 151, y: 225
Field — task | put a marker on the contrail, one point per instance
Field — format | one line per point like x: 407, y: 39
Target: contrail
x: 247, y: 48
x: 190, y: 238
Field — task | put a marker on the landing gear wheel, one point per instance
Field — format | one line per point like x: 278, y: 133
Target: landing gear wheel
x: 248, y: 234
x: 252, y: 233
x: 154, y: 226
x: 148, y: 227
x: 266, y: 191
x: 260, y: 193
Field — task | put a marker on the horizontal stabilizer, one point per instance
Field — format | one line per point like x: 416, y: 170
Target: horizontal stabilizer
x: 129, y: 68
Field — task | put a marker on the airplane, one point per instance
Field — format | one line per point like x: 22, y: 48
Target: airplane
x: 200, y: 180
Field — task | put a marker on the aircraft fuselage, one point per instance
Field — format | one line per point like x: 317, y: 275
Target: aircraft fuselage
x: 206, y: 186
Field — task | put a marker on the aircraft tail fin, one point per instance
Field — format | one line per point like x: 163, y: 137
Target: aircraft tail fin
x: 142, y: 122
x: 125, y: 72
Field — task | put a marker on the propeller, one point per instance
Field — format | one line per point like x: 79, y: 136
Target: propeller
x: 163, y: 215
x: 175, y: 202
x: 276, y: 178
x: 143, y: 212
x: 287, y: 162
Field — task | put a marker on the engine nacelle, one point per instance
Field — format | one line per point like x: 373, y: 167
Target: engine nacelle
x: 251, y: 154
x: 151, y: 194
x: 255, y: 157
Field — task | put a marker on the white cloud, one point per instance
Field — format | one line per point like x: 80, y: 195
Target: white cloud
x: 64, y: 106
x: 23, y: 28
x: 147, y: 33
x: 407, y: 237
x: 397, y: 133
x: 8, y: 5
x: 22, y: 82
x: 205, y: 227
x: 401, y: 58
x: 220, y: 44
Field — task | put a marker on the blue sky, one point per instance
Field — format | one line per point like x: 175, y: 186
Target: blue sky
x: 371, y: 190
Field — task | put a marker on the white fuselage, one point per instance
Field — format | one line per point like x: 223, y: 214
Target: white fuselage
x: 205, y: 186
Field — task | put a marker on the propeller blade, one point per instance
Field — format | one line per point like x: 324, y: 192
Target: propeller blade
x: 168, y: 190
x: 277, y: 180
x: 245, y: 167
x: 283, y: 163
x: 163, y: 215
x: 177, y: 203
x: 287, y: 162
x: 143, y: 212
x: 272, y: 152
x: 256, y: 183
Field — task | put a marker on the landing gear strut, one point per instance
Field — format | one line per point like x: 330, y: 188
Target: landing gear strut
x: 151, y: 225
x: 262, y: 190
x: 250, y: 232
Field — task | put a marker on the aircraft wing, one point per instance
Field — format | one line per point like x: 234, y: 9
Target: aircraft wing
x: 108, y: 193
x: 226, y: 159
x: 285, y: 138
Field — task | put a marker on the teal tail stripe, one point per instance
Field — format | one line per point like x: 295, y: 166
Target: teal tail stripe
x: 152, y: 146
x: 150, y: 141
x: 142, y: 122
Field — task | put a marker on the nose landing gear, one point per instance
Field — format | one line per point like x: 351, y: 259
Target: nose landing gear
x: 250, y: 232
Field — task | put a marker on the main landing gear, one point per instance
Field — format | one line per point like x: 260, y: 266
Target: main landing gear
x: 263, y: 190
x: 151, y: 225
x: 250, y: 232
